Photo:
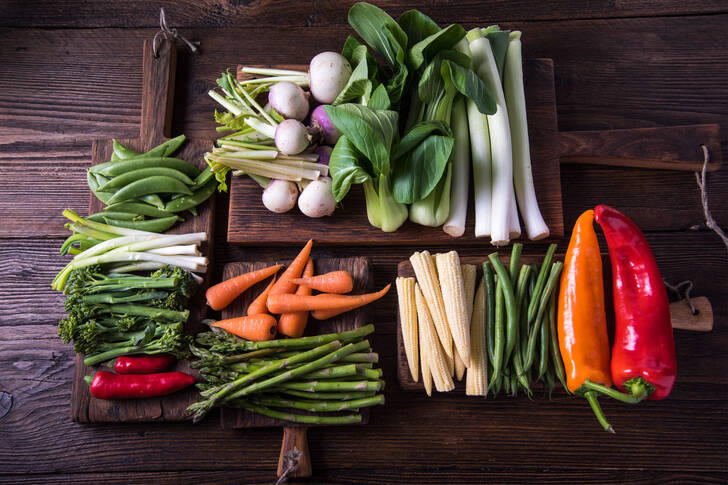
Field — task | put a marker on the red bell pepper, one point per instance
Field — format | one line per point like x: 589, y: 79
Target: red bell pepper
x: 107, y: 385
x: 643, y: 356
x: 143, y: 364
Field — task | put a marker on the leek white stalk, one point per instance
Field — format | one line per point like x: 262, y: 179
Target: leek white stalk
x: 186, y: 250
x: 522, y: 176
x: 455, y: 224
x: 500, y: 143
x: 482, y: 183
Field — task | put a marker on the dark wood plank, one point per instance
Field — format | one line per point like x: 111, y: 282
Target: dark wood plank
x: 666, y: 148
x: 292, y: 227
x: 359, y: 270
x: 269, y: 13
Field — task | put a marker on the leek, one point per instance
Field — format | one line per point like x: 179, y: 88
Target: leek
x: 523, y: 178
x: 455, y: 224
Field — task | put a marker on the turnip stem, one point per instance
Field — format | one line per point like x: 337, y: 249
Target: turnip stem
x: 234, y: 109
x: 455, y: 224
x: 262, y: 71
x: 260, y: 109
x: 516, y: 102
x: 261, y: 127
x: 300, y: 80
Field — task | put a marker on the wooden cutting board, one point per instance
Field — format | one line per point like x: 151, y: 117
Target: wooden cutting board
x: 676, y: 148
x: 294, y: 434
x: 157, y: 101
x: 681, y: 318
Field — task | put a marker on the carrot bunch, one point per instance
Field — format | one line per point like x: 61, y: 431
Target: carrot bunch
x: 291, y: 296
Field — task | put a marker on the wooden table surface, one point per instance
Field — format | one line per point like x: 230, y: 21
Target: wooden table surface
x: 70, y: 71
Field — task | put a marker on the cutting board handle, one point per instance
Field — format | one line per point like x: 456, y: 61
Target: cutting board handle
x: 666, y: 148
x: 157, y: 92
x: 295, y: 443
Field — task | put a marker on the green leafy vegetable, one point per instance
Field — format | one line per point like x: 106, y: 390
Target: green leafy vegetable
x: 417, y: 175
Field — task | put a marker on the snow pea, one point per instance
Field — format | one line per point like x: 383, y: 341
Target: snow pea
x: 138, y: 208
x: 200, y: 196
x: 150, y: 185
x: 202, y: 179
x: 167, y: 148
x: 153, y: 200
x: 113, y: 169
x: 94, y: 186
x: 122, y: 216
x: 123, y: 152
x: 134, y: 175
x: 152, y: 225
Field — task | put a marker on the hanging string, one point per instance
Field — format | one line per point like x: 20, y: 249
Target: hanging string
x: 165, y: 33
x: 290, y: 460
x: 700, y: 177
x: 683, y: 295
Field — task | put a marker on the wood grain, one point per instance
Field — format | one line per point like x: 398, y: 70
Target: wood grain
x: 359, y: 270
x: 349, y: 225
x: 270, y: 13
x: 664, y: 148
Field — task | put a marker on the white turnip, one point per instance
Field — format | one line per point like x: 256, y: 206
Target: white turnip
x: 291, y: 137
x: 280, y: 196
x: 328, y: 74
x: 317, y: 200
x: 289, y: 100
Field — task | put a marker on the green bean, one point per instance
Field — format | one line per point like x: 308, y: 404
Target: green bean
x: 498, y: 335
x: 122, y: 216
x: 134, y: 175
x: 152, y: 225
x: 202, y: 179
x: 543, y: 346
x: 153, y: 200
x: 200, y: 196
x: 545, y: 267
x: 167, y: 148
x: 122, y: 152
x: 549, y: 383
x: 138, y: 208
x: 515, y: 260
x: 489, y: 310
x: 155, y: 184
x: 543, y: 301
x: 525, y: 324
x: 510, y: 304
x: 114, y: 169
x: 557, y: 364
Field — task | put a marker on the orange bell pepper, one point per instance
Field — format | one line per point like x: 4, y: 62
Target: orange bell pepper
x: 582, y: 321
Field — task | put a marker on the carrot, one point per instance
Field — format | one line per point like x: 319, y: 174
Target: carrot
x: 326, y: 314
x: 258, y: 305
x: 294, y: 270
x: 323, y: 301
x: 223, y: 293
x: 252, y: 327
x: 333, y: 282
x: 293, y: 324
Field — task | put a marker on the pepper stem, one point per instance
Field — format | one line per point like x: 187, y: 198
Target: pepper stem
x: 592, y: 397
x: 639, y: 390
x: 88, y: 379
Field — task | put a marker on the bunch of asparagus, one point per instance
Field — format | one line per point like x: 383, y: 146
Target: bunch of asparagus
x: 323, y: 373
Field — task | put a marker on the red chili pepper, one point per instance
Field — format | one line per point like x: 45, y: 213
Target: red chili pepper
x: 107, y: 385
x: 143, y: 364
x: 643, y: 356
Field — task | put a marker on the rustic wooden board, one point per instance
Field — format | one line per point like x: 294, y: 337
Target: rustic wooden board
x: 359, y: 269
x: 681, y: 317
x: 156, y: 119
x: 349, y: 224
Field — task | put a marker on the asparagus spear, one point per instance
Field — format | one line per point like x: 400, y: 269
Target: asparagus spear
x: 322, y: 406
x: 327, y: 396
x: 316, y: 386
x: 299, y: 418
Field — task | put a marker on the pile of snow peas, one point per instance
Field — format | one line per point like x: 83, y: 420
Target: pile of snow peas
x: 147, y: 191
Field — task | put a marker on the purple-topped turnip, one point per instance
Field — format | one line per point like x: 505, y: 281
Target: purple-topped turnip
x: 324, y: 153
x: 289, y: 100
x: 328, y: 73
x: 321, y: 122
